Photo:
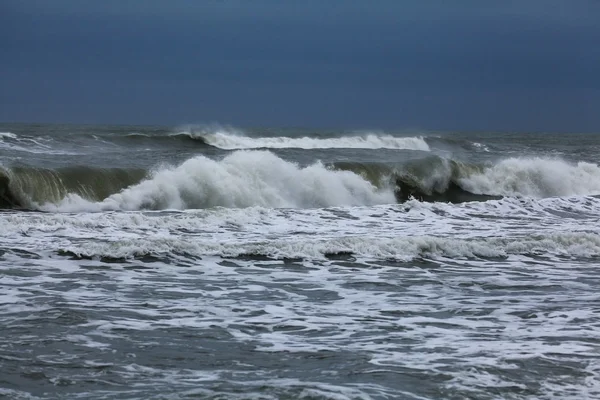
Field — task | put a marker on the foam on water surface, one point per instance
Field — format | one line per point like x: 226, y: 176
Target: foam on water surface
x: 230, y: 139
x: 261, y: 178
x: 7, y: 135
x: 293, y: 278
x: 550, y: 227
x: 434, y: 330
x: 242, y: 179
x: 535, y: 177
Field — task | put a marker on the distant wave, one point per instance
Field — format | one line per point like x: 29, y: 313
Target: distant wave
x: 7, y: 135
x: 28, y: 144
x: 229, y: 139
x: 226, y: 138
x: 260, y: 178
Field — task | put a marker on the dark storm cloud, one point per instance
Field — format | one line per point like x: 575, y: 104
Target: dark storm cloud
x: 441, y: 65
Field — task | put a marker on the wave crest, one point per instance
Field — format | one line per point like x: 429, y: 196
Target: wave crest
x: 440, y: 179
x: 7, y: 135
x: 260, y: 178
x: 242, y: 179
x: 535, y: 177
x: 230, y: 139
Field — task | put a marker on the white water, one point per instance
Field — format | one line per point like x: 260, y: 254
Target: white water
x: 231, y: 140
x: 550, y: 227
x: 535, y: 177
x: 7, y: 135
x: 486, y: 300
x: 507, y: 288
x: 580, y: 245
x: 242, y: 179
x: 260, y: 178
x: 518, y: 176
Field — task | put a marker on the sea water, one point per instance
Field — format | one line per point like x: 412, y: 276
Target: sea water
x: 212, y: 262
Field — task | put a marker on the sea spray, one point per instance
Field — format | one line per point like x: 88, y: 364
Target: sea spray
x: 534, y: 177
x: 524, y: 176
x: 229, y: 139
x: 248, y: 178
x: 398, y: 248
x: 242, y: 179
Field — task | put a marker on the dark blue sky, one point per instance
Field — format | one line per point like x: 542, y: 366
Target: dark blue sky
x: 422, y: 64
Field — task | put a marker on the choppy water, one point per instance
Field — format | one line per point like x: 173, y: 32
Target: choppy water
x: 209, y: 262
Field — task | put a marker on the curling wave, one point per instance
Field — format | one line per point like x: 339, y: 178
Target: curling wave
x: 440, y: 179
x: 30, y: 187
x: 534, y: 177
x: 260, y: 178
x: 241, y: 179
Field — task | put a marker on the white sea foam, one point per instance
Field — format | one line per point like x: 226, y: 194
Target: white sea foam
x: 248, y: 178
x: 497, y: 299
x: 400, y: 248
x: 229, y: 139
x: 519, y: 176
x: 550, y: 227
x: 480, y: 146
x: 457, y: 322
x: 242, y: 179
x: 7, y: 135
x: 535, y: 177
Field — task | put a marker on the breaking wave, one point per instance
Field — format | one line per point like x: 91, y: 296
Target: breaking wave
x: 241, y: 179
x: 7, y: 135
x: 229, y: 139
x: 260, y: 178
x: 529, y: 177
x: 534, y: 177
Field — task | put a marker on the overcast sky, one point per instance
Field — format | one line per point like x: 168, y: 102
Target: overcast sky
x: 424, y: 64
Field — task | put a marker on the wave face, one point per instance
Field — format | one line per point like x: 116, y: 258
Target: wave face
x: 440, y: 179
x: 28, y: 187
x: 242, y: 179
x: 228, y: 139
x: 248, y: 178
x: 535, y: 177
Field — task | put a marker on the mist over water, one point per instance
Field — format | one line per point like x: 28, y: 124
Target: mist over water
x: 215, y: 262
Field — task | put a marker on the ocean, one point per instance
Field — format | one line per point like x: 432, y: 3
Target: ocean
x: 211, y: 262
